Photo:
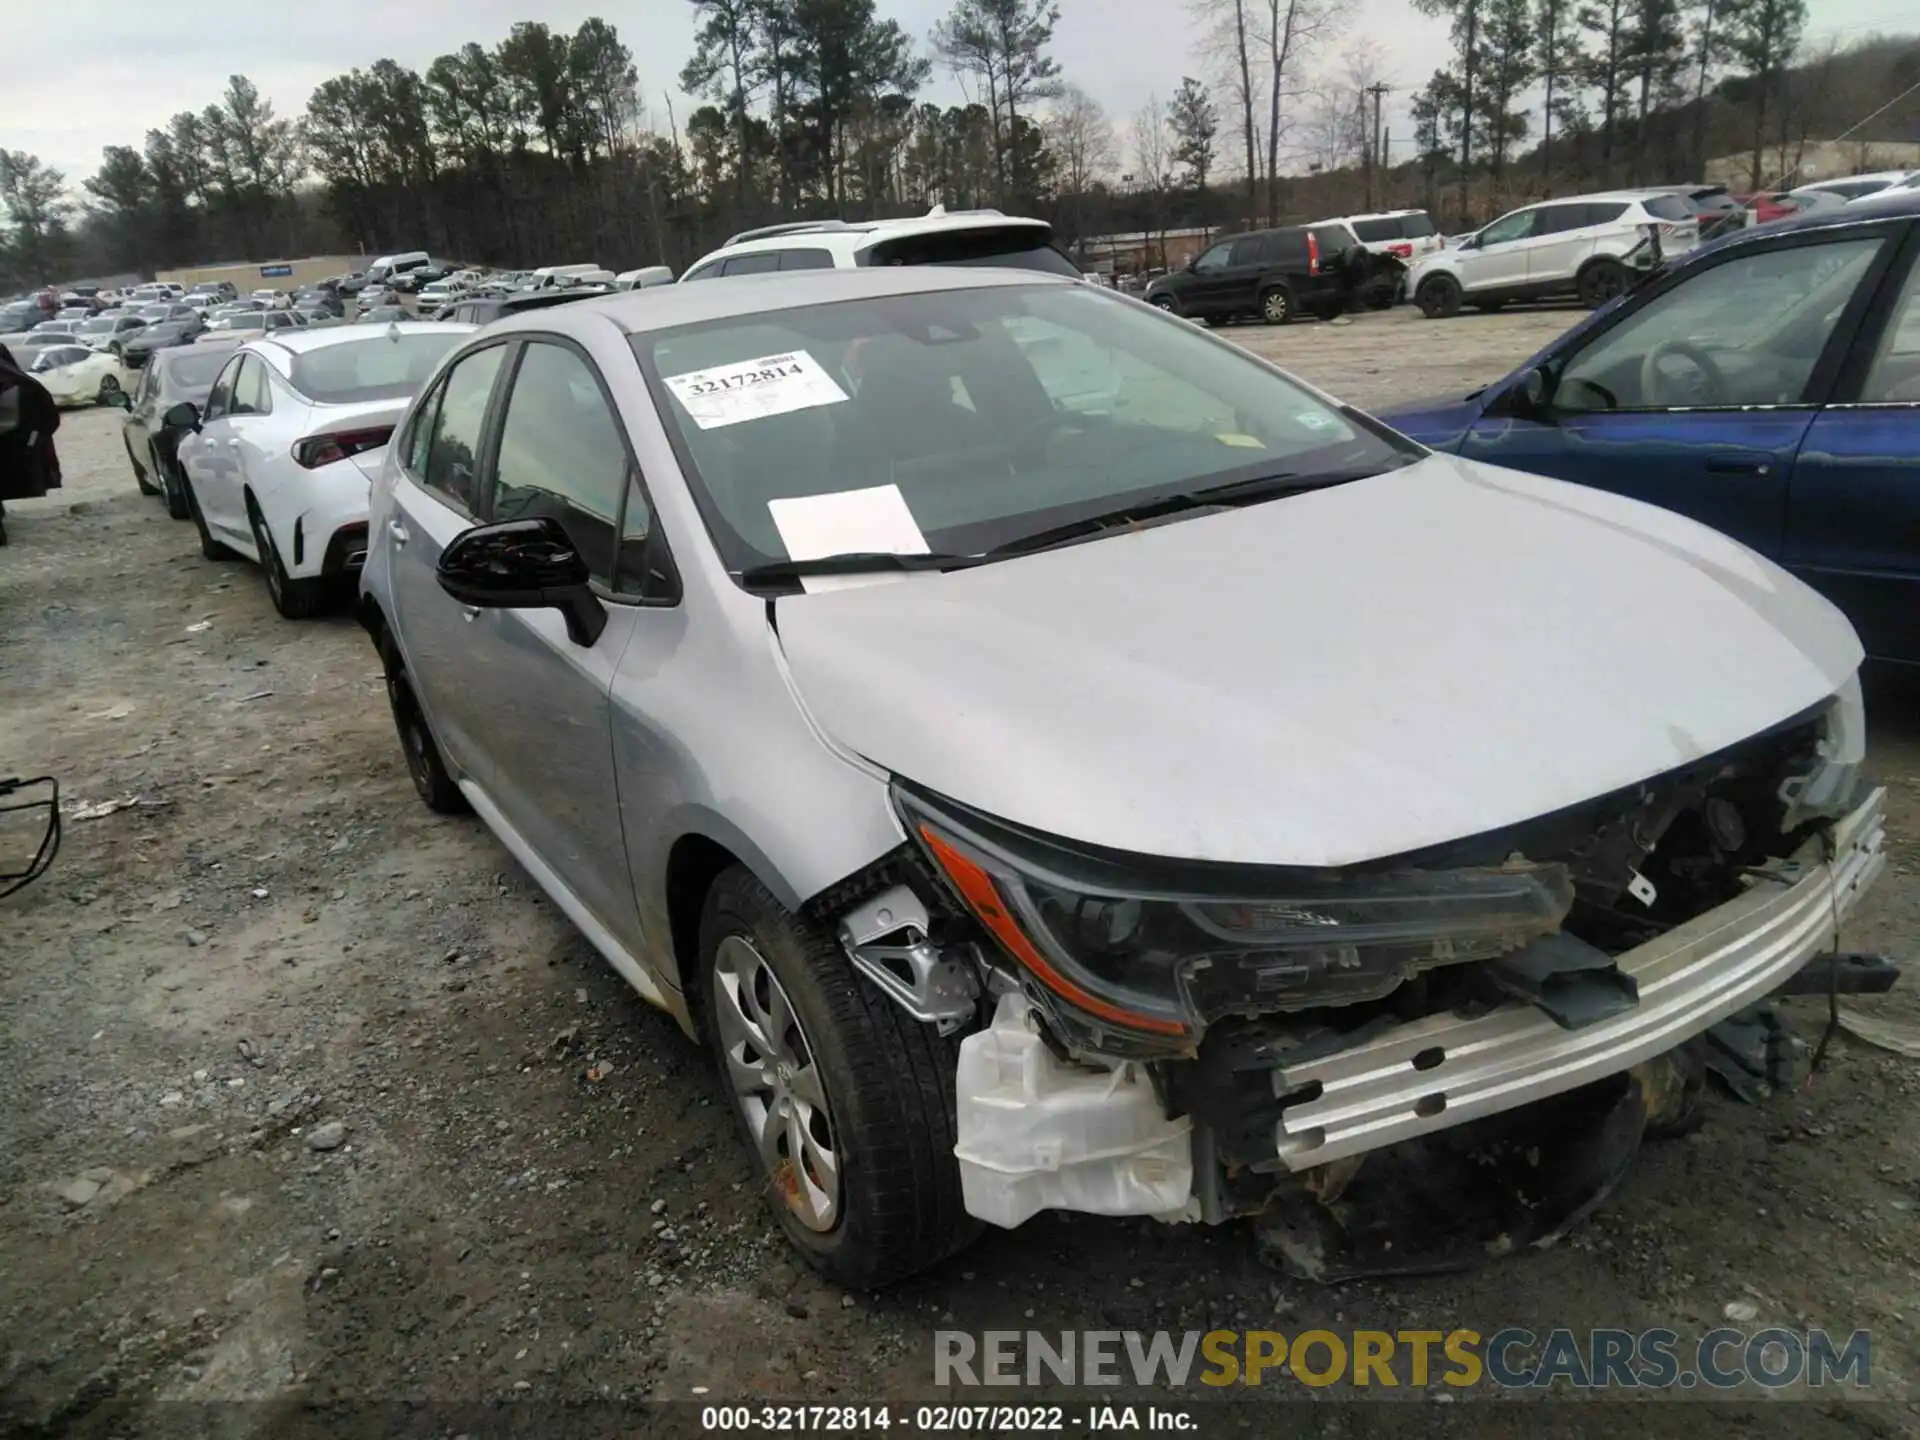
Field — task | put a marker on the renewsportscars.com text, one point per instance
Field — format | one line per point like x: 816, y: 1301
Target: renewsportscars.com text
x: 1508, y: 1359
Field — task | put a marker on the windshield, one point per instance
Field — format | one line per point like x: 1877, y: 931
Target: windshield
x: 1019, y: 247
x: 995, y: 413
x: 378, y: 368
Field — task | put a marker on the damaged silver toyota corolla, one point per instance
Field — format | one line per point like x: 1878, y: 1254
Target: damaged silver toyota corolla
x: 1059, y: 761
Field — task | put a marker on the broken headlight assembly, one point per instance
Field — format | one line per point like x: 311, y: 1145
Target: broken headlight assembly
x: 1137, y: 956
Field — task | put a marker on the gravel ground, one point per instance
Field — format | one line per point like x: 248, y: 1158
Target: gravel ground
x: 295, y: 1104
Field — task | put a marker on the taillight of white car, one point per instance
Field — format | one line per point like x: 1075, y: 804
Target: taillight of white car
x: 318, y: 450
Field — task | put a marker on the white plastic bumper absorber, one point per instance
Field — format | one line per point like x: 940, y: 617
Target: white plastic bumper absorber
x: 1036, y: 1133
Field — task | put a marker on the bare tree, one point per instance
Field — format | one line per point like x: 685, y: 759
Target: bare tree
x: 1292, y: 29
x: 1149, y: 136
x: 1230, y: 42
x: 1081, y: 138
x: 1080, y: 134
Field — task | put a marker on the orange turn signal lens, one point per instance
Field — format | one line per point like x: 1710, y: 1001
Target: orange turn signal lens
x: 976, y: 887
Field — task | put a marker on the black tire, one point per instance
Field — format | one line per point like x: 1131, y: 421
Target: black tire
x: 888, y: 1083
x: 1439, y: 297
x: 147, y: 487
x: 1276, y: 305
x: 1378, y: 296
x: 294, y: 599
x: 210, y: 548
x: 432, y: 781
x: 1600, y: 282
x: 173, y: 485
x: 1166, y: 303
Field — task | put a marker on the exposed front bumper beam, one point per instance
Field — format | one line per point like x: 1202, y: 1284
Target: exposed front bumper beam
x: 1690, y: 978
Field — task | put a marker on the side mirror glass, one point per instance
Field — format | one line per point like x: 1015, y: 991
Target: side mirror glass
x: 120, y: 400
x: 183, y: 416
x: 523, y: 565
x: 1532, y: 395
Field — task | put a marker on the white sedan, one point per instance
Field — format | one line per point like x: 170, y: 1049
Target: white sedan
x: 78, y: 374
x: 277, y: 464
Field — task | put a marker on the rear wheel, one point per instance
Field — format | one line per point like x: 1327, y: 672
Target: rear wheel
x: 846, y: 1101
x: 1164, y: 302
x: 109, y: 387
x: 1602, y: 281
x: 294, y: 599
x: 173, y: 485
x: 1276, y: 305
x: 1438, y: 297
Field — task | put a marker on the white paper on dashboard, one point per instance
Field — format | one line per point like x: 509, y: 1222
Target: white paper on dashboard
x: 755, y: 389
x: 877, y: 518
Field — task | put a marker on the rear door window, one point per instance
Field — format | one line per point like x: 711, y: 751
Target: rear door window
x: 807, y: 258
x: 1605, y: 212
x: 760, y: 262
x: 453, y: 439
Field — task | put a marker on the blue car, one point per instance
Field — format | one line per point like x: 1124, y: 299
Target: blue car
x: 1767, y: 384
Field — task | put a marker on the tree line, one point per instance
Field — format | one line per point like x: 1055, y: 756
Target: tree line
x: 541, y: 148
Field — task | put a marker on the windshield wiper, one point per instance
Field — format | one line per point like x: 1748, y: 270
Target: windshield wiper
x: 851, y: 562
x: 1213, y: 497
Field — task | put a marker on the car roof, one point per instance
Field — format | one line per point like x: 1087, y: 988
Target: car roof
x: 665, y: 307
x: 850, y: 236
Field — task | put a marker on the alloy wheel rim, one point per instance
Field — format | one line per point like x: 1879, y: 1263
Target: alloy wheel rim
x: 777, y: 1084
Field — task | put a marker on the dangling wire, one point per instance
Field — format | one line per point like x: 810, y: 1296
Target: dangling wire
x: 15, y: 881
x: 1833, y: 959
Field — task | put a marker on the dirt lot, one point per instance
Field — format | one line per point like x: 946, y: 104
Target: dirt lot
x: 274, y: 935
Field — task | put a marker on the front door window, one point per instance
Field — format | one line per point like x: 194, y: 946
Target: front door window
x: 1747, y: 332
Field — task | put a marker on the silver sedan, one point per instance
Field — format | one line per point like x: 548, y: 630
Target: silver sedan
x: 1056, y: 760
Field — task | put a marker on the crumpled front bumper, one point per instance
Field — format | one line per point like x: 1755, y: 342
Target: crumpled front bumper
x: 1442, y: 1070
x: 1038, y: 1132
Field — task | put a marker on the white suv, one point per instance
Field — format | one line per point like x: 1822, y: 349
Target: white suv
x: 964, y: 237
x: 1585, y: 246
x: 1407, y: 235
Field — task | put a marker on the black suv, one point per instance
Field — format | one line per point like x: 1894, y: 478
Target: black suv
x: 1276, y: 275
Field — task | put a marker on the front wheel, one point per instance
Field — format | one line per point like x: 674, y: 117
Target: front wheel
x: 210, y: 548
x: 1276, y: 306
x: 432, y: 781
x: 1164, y: 302
x: 109, y: 388
x: 846, y: 1102
x: 140, y: 472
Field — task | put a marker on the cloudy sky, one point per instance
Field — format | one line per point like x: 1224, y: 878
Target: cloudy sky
x: 99, y: 73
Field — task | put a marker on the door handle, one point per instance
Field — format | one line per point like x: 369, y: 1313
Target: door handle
x: 398, y: 532
x: 1738, y: 467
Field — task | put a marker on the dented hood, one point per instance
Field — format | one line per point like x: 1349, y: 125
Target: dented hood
x: 1338, y: 676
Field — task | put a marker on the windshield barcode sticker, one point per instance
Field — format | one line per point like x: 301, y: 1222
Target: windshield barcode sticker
x: 755, y: 389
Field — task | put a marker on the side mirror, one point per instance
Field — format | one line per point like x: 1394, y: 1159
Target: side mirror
x: 120, y: 400
x: 523, y: 565
x: 1531, y: 397
x: 183, y: 416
